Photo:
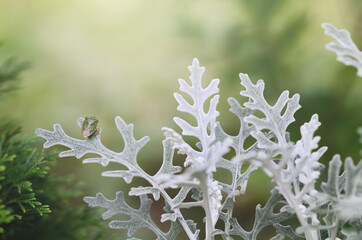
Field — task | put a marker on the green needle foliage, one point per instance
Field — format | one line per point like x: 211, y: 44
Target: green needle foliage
x: 20, y: 165
x: 33, y: 203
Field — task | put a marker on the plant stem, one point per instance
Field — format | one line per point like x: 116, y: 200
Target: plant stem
x: 169, y: 201
x: 310, y: 234
x: 335, y: 229
x: 209, y: 227
x: 112, y: 155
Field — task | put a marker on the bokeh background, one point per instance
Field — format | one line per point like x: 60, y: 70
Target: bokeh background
x: 122, y: 58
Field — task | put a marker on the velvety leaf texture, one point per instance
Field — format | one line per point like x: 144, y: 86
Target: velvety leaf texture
x: 263, y: 141
x: 347, y: 52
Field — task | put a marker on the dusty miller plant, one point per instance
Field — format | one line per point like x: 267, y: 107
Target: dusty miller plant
x: 293, y: 167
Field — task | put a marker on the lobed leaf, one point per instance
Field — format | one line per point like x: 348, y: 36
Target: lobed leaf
x: 346, y: 50
x: 275, y: 120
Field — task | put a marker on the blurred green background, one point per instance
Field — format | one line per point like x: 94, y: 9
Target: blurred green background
x: 122, y: 58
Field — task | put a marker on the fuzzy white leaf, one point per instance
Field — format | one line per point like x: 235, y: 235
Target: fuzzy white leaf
x: 205, y: 120
x: 345, y: 49
x: 169, y: 217
x: 274, y: 120
x: 306, y: 163
x: 126, y: 175
x: 192, y: 156
x: 138, y: 191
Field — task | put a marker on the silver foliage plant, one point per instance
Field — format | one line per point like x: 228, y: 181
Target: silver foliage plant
x: 345, y: 48
x: 293, y: 167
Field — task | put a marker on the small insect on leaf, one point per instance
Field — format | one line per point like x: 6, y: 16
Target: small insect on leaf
x: 89, y: 126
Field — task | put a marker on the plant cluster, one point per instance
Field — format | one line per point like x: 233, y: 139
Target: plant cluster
x: 19, y: 164
x: 293, y: 167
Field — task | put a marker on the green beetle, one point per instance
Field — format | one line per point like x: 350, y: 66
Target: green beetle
x: 90, y: 126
